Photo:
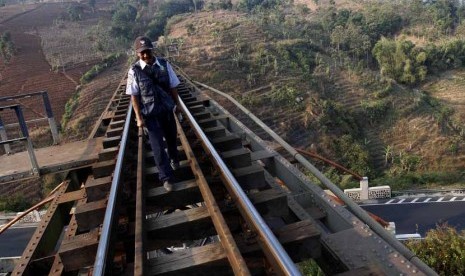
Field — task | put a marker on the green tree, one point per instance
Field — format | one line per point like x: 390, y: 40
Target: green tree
x: 101, y: 39
x: 443, y: 249
x: 400, y: 60
x: 381, y: 20
x: 338, y: 36
x: 122, y: 20
x: 445, y: 14
x: 166, y: 10
x: 352, y: 154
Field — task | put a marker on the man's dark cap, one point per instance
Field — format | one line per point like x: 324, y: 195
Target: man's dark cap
x: 142, y: 43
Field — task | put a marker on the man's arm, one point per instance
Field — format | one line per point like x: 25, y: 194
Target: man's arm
x: 132, y: 88
x: 135, y: 105
x: 174, y: 82
x: 175, y: 96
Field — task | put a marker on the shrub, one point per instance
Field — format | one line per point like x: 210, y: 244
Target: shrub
x: 335, y: 118
x: 7, y: 47
x: 400, y: 60
x: 404, y: 162
x: 443, y: 249
x: 14, y: 203
x: 375, y: 111
x: 409, y: 180
x: 287, y: 95
x: 384, y: 92
x: 75, y: 12
x: 250, y: 100
x: 310, y: 267
x: 96, y: 69
x: 352, y: 154
x: 69, y: 109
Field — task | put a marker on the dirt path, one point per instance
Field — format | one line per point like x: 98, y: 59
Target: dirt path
x: 29, y: 8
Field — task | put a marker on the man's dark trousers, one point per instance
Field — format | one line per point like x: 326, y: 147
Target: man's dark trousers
x: 159, y: 126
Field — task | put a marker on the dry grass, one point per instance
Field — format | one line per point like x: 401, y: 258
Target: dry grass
x: 419, y: 132
x: 208, y: 42
x: 93, y: 98
x: 209, y: 39
x: 342, y: 4
x: 68, y: 43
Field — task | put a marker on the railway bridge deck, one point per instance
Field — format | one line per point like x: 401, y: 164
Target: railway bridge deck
x: 237, y: 207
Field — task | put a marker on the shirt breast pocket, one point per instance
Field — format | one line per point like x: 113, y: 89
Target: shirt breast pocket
x: 145, y: 85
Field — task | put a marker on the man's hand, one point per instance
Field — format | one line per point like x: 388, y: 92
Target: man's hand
x: 135, y: 103
x: 177, y: 112
x: 140, y: 123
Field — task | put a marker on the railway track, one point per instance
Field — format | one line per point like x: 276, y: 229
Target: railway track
x: 237, y: 207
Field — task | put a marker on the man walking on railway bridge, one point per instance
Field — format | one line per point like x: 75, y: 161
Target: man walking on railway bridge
x: 152, y: 85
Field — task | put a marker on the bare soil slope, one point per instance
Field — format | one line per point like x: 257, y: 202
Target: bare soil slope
x: 28, y: 71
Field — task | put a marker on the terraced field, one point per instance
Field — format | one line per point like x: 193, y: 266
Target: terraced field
x: 30, y: 70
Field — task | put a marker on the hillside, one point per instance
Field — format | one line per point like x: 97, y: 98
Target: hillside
x: 356, y: 81
x: 52, y: 53
x: 372, y: 124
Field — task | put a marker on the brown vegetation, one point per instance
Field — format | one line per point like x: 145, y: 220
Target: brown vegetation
x: 409, y: 138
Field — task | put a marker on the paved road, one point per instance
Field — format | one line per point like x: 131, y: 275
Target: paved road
x: 414, y: 215
x: 14, y: 240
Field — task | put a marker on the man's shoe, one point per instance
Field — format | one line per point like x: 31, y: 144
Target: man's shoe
x: 174, y: 165
x: 167, y: 185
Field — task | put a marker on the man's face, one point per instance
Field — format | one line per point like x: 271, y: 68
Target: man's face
x: 146, y: 56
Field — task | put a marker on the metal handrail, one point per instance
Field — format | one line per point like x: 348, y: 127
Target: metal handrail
x: 266, y: 236
x: 24, y: 132
x: 102, y: 251
x: 357, y: 210
x: 48, y: 110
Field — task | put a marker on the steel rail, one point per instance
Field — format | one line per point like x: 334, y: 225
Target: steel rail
x: 102, y: 250
x: 139, y: 240
x: 273, y: 249
x: 357, y: 210
x: 230, y: 247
